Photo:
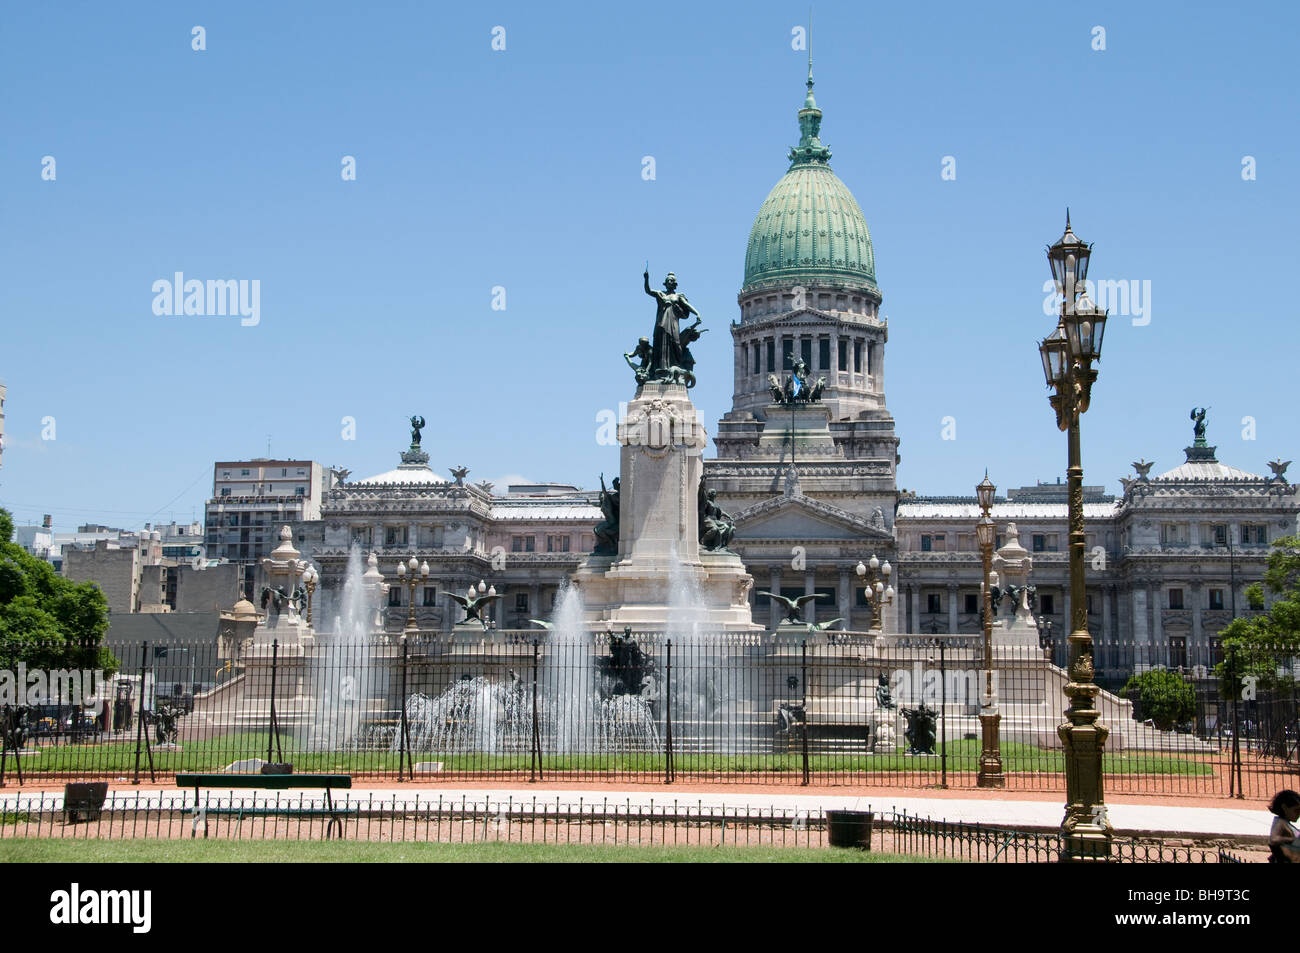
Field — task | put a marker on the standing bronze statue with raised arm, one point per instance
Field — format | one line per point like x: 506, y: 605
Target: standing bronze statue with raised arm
x: 667, y: 347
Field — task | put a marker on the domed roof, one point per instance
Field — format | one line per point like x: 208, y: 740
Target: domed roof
x: 417, y: 474
x: 1206, y: 471
x: 810, y: 227
x: 244, y: 611
x: 414, y: 470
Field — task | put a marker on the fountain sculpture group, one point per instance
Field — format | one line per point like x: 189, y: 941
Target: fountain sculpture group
x: 654, y: 634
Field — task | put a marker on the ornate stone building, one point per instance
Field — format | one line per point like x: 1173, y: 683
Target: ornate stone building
x: 813, y: 486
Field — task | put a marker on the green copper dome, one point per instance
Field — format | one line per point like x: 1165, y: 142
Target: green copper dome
x: 810, y: 229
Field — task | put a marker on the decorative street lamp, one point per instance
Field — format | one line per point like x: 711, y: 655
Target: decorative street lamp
x: 1068, y: 355
x: 879, y: 592
x: 990, y: 772
x: 418, y: 572
x: 309, y: 579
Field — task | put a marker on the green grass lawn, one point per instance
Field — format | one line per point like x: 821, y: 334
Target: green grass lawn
x: 43, y: 850
x: 120, y: 758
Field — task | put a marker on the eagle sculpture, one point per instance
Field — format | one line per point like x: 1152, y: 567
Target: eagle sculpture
x: 792, y: 606
x: 474, y: 606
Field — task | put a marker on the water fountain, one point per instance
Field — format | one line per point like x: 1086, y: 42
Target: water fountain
x: 343, y: 677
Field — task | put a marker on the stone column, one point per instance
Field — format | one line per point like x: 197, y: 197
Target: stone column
x: 914, y: 616
x: 846, y: 599
x: 1107, y: 637
x: 952, y: 608
x: 535, y: 609
x: 1197, y: 590
x: 1159, y: 651
x: 775, y: 614
x: 879, y: 380
x: 809, y: 587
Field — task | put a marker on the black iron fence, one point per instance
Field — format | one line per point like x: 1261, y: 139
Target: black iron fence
x: 830, y: 708
x: 449, y: 819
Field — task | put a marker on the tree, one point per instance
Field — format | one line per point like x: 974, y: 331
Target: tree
x: 47, y: 621
x: 1262, y: 646
x: 1165, y: 697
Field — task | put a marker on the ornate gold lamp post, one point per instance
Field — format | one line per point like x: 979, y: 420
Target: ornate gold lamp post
x: 1068, y: 356
x: 990, y: 772
x: 417, y: 573
x: 879, y: 592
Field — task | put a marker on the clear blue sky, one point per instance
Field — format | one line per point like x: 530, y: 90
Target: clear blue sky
x: 522, y: 168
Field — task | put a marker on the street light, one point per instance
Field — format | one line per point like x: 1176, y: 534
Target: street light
x: 990, y: 772
x: 879, y: 592
x: 309, y: 579
x: 1068, y: 354
x: 417, y: 572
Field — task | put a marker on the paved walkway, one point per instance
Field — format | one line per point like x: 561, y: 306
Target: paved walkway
x: 1164, y: 819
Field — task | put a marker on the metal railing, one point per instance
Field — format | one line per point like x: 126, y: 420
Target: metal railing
x: 525, y: 705
x: 611, y: 821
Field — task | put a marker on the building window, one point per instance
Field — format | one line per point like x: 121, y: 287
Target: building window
x: 430, y: 595
x: 1216, y: 650
x: 557, y: 544
x: 758, y: 359
x: 805, y: 350
x: 771, y: 355
x: 225, y: 491
x: 933, y: 603
x: 824, y: 354
x: 300, y: 491
x: 972, y: 603
x: 1040, y: 542
x: 1214, y: 534
x: 394, y: 595
x: 1254, y: 535
x: 1173, y: 534
x: 284, y: 471
x: 243, y: 473
x: 1216, y: 598
x: 523, y: 544
x: 787, y: 352
x: 234, y: 519
x: 1178, y: 651
x: 1048, y: 604
x: 934, y: 543
x: 1175, y: 598
x: 521, y: 602
x: 857, y: 357
x: 396, y: 535
x: 1091, y: 610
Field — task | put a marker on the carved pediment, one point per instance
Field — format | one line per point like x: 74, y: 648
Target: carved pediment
x: 803, y: 518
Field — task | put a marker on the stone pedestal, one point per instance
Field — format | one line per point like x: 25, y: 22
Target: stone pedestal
x: 660, y: 577
x: 1014, y: 632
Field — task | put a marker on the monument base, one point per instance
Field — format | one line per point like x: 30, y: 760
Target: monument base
x: 713, y: 593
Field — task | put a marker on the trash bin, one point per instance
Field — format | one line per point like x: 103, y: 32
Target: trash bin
x: 849, y: 828
x: 83, y: 800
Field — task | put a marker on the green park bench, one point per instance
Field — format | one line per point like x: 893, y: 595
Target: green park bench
x: 275, y: 782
